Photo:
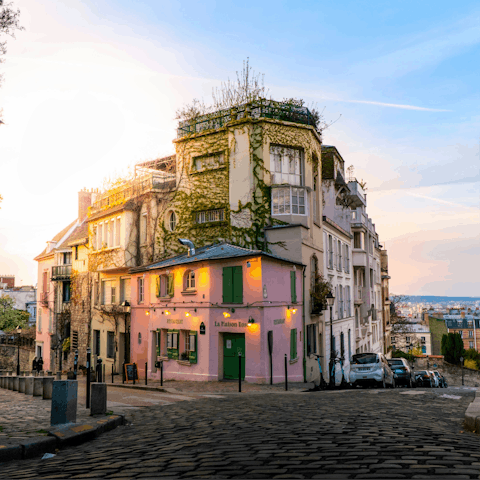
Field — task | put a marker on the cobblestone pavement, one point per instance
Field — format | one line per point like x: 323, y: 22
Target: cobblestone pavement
x: 342, y: 434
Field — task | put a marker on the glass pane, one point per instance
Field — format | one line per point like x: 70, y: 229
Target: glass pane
x: 275, y: 201
x: 294, y: 200
x: 281, y: 201
x: 286, y: 193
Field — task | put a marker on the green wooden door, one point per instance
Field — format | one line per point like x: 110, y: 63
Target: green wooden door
x: 233, y: 344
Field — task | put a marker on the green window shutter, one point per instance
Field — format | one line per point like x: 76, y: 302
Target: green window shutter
x: 227, y: 284
x: 158, y: 285
x: 192, y: 354
x: 293, y: 343
x: 172, y: 350
x: 170, y: 285
x: 159, y: 338
x: 293, y: 286
x: 237, y: 285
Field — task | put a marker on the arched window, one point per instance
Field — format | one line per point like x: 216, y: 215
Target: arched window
x: 172, y: 221
x: 189, y: 283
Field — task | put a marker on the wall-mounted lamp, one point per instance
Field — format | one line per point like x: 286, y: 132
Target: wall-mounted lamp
x: 251, y: 321
x: 187, y: 314
x: 147, y: 312
x: 226, y: 314
x: 293, y: 310
x: 167, y: 312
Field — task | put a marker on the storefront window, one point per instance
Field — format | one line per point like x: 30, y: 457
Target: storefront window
x: 172, y: 344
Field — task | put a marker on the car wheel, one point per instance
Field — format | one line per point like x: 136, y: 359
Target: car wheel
x: 393, y: 383
x: 382, y: 384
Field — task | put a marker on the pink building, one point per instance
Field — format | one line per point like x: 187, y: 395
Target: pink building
x: 198, y: 311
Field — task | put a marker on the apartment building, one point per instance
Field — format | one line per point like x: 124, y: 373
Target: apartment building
x: 467, y: 326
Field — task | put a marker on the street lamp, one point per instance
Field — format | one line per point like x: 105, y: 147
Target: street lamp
x: 330, y: 301
x: 19, y: 332
x: 461, y: 361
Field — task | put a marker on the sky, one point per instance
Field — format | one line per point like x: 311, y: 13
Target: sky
x: 91, y: 88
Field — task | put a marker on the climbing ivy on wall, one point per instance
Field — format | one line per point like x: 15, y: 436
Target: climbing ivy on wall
x: 209, y: 189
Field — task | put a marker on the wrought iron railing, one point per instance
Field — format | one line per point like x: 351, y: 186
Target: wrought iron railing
x: 257, y: 109
x: 61, y: 272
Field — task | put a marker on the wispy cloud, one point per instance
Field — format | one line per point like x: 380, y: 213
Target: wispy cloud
x: 438, y: 200
x: 391, y: 105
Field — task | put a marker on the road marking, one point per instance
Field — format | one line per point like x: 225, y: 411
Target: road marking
x: 417, y: 392
x: 454, y: 397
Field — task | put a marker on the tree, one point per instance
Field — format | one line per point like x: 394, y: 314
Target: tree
x: 9, y: 23
x: 10, y: 318
x: 452, y: 347
x: 399, y: 325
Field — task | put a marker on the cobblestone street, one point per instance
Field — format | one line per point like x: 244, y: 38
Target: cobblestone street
x: 343, y: 434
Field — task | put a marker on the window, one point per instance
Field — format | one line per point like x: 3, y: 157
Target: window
x: 339, y: 255
x: 110, y: 344
x: 315, y: 197
x: 96, y: 342
x: 124, y: 290
x: 191, y: 345
x: 311, y: 339
x: 113, y: 295
x: 286, y: 165
x: 293, y: 344
x: 172, y: 221
x: 158, y: 342
x: 165, y: 286
x: 140, y: 291
x: 342, y: 345
x: 111, y: 237
x: 232, y: 285
x: 461, y: 333
x: 39, y: 321
x: 76, y: 252
x: 99, y: 236
x: 67, y: 258
x: 189, y: 280
x: 66, y: 292
x: 347, y: 259
x: 289, y: 201
x: 215, y: 160
x: 470, y: 333
x: 293, y: 286
x: 393, y: 340
x: 330, y: 251
x: 143, y: 229
x: 172, y: 344
x: 94, y: 237
x: 407, y: 339
x: 348, y: 302
x: 105, y: 235
x: 118, y: 226
x: 357, y: 240
x: 422, y: 339
x: 340, y: 311
x: 207, y: 216
x: 471, y: 345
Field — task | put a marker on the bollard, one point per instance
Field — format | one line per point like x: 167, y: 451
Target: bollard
x: 104, y: 376
x: 87, y: 400
x: 161, y: 373
x: 99, y: 370
x: 15, y: 383
x: 239, y: 371
x: 58, y: 376
x: 134, y: 372
x: 21, y: 385
x: 47, y: 388
x: 38, y: 386
x: 29, y: 385
x: 146, y: 367
x: 112, y: 373
x: 75, y: 364
x: 286, y: 373
x: 10, y: 383
x: 99, y: 399
x: 64, y: 402
x: 123, y: 372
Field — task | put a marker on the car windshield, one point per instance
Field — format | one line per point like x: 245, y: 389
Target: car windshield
x: 395, y: 362
x: 361, y: 358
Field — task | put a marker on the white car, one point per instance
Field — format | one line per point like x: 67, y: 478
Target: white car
x: 371, y: 369
x: 435, y: 382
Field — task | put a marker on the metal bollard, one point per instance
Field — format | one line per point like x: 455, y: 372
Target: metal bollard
x: 161, y: 373
x: 112, y: 373
x: 104, y: 376
x: 286, y: 373
x: 99, y: 370
x: 146, y: 367
x: 87, y: 400
x: 239, y: 371
x: 123, y: 372
x: 134, y: 372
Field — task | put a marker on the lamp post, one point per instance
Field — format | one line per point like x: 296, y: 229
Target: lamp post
x: 461, y: 361
x: 330, y: 300
x: 19, y: 332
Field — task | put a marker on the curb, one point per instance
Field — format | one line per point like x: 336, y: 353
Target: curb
x: 472, y: 415
x: 139, y: 387
x: 60, y: 437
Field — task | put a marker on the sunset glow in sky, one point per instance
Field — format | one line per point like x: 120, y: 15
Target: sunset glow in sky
x: 90, y: 88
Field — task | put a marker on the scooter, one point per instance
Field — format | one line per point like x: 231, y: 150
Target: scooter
x: 322, y: 384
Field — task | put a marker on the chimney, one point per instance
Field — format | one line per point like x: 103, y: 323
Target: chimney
x: 85, y: 200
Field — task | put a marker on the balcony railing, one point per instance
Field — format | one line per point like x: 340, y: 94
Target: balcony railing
x: 155, y: 182
x: 61, y: 272
x: 257, y: 109
x: 357, y: 194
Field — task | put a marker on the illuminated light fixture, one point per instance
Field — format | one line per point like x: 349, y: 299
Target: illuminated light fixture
x: 251, y: 321
x: 226, y: 314
x: 187, y: 314
x: 147, y: 312
x: 167, y: 312
x: 294, y: 310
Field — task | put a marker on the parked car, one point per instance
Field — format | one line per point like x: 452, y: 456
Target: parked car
x: 424, y: 379
x: 436, y: 381
x: 441, y: 379
x: 369, y: 369
x: 404, y: 374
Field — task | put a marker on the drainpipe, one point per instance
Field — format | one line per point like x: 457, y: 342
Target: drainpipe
x: 303, y: 326
x: 475, y: 333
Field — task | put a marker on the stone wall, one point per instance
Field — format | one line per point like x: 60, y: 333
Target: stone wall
x: 8, y: 357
